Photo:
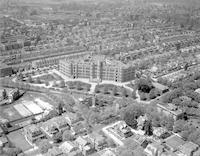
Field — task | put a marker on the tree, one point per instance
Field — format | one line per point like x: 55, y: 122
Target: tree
x: 179, y: 126
x: 38, y: 81
x: 170, y: 123
x: 30, y: 80
x: 52, y: 113
x: 197, y: 141
x: 194, y: 136
x: 78, y: 86
x: 20, y: 76
x: 122, y: 151
x: 12, y: 151
x: 57, y: 137
x: 152, y: 94
x: 46, y: 83
x: 130, y: 120
x: 88, y: 87
x: 67, y: 136
x: 178, y: 46
x: 176, y: 101
x: 62, y: 84
x: 124, y: 92
x: 186, y: 66
x: 4, y: 94
x: 133, y: 94
x: 148, y: 128
x: 114, y: 90
x: 144, y: 85
x: 156, y: 121
x: 105, y: 89
x: 60, y: 108
x: 110, y: 143
x: 44, y: 146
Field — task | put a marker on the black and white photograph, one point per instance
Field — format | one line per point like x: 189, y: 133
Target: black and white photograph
x: 99, y: 77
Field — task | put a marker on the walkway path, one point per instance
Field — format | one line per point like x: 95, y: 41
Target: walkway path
x: 93, y: 84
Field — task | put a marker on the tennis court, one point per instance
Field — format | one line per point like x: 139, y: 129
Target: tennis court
x: 23, y: 111
x: 33, y: 108
x: 44, y: 105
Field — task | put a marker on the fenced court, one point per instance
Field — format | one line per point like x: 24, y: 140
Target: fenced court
x: 32, y: 107
x: 44, y: 105
x: 23, y: 111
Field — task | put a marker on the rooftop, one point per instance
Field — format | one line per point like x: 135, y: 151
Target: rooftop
x: 88, y: 59
x: 188, y: 148
x: 171, y: 108
x: 174, y: 142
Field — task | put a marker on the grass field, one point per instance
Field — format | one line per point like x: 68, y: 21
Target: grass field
x: 78, y: 85
x: 9, y: 113
x: 18, y: 139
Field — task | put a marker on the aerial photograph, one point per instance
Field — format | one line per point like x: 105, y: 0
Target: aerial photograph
x: 99, y: 77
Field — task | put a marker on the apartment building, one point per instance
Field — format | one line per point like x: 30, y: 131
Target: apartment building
x: 97, y: 68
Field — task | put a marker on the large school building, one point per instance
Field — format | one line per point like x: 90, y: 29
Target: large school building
x: 97, y: 68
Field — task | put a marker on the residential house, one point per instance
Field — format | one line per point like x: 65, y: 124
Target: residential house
x: 158, y: 132
x: 3, y: 141
x: 76, y: 153
x: 141, y: 120
x: 98, y: 141
x: 170, y: 110
x: 157, y: 149
x: 86, y: 147
x: 1, y: 131
x: 68, y: 147
x: 188, y: 149
x: 50, y: 128
x: 197, y: 90
x: 197, y: 153
x: 161, y: 88
x: 55, y: 151
x: 106, y: 152
x: 125, y: 131
x: 33, y: 133
x: 13, y: 95
x: 140, y: 139
x: 79, y: 129
x: 174, y: 142
x: 5, y: 70
x: 72, y: 118
x: 61, y: 123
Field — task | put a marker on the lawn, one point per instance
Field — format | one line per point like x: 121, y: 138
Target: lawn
x: 18, y: 139
x: 9, y: 113
x: 131, y: 85
x: 44, y: 78
x: 78, y: 85
x: 110, y: 89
